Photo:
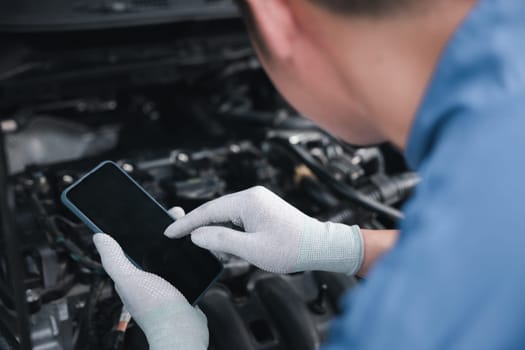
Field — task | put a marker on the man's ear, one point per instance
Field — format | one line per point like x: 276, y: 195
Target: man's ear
x: 276, y: 26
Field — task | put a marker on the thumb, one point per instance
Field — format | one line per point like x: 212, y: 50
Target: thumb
x: 225, y: 240
x: 115, y: 262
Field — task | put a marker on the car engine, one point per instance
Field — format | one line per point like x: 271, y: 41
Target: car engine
x: 186, y: 109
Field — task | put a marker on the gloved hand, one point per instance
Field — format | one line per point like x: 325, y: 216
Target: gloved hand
x: 277, y: 238
x: 161, y: 311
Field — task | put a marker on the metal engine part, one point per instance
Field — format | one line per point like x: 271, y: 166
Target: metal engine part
x: 248, y: 309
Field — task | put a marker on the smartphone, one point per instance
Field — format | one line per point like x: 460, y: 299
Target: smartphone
x: 108, y: 200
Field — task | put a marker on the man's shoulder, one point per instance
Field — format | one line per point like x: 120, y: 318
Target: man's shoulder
x: 475, y: 169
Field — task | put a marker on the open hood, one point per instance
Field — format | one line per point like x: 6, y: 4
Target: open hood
x: 65, y: 15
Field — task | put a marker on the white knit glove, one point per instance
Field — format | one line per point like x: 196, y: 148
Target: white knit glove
x: 277, y: 238
x: 161, y: 311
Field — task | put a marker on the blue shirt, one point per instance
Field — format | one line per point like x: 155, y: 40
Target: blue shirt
x: 456, y: 279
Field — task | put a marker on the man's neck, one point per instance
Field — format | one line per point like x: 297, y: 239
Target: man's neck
x: 390, y: 61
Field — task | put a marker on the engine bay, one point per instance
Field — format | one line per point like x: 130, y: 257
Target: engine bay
x: 191, y: 118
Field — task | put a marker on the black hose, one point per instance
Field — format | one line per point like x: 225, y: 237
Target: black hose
x: 59, y: 290
x: 315, y: 190
x: 7, y: 330
x: 341, y: 216
x: 7, y: 339
x: 87, y: 337
x: 75, y: 252
x: 349, y: 193
x: 6, y: 296
x: 270, y: 120
x: 12, y: 251
x: 392, y: 189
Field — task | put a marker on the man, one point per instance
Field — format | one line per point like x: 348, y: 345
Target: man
x: 360, y: 68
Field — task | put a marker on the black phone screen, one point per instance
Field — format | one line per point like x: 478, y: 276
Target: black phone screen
x: 120, y: 208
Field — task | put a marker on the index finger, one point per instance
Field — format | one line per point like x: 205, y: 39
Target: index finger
x: 217, y: 211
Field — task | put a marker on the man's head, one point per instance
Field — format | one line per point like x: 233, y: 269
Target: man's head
x: 357, y: 67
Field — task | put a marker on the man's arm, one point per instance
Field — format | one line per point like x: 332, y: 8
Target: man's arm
x: 376, y: 243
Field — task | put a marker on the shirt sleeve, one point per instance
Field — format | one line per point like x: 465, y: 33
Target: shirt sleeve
x: 456, y: 278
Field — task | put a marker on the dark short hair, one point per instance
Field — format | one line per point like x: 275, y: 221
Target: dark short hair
x: 370, y: 8
x: 350, y: 7
x: 366, y: 7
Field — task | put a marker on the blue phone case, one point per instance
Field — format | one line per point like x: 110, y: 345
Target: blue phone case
x: 96, y: 229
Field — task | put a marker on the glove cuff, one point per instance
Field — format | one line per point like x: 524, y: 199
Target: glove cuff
x: 333, y: 248
x: 174, y: 326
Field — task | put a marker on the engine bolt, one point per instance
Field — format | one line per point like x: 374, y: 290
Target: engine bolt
x: 128, y: 167
x: 183, y: 157
x: 67, y: 179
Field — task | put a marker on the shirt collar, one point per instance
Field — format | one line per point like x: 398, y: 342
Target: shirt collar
x: 484, y: 61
